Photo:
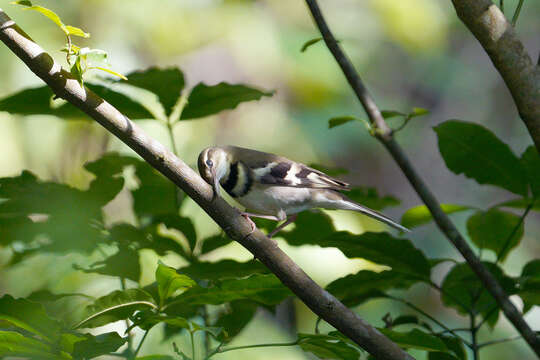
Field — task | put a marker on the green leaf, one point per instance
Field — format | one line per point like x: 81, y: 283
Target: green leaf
x: 43, y: 296
x: 169, y: 281
x: 37, y: 101
x: 155, y: 195
x: 166, y: 83
x: 72, y: 30
x: 455, y: 345
x: 70, y: 211
x: 308, y: 43
x: 124, y: 264
x: 28, y: 316
x: 521, y: 203
x: 112, y: 72
x: 420, y: 215
x: 118, y: 305
x: 147, y: 319
x: 492, y: 229
x: 332, y: 171
x: 223, y: 269
x: 235, y: 318
x: 206, y: 100
x: 13, y: 344
x: 213, y: 242
x: 340, y: 120
x: 418, y: 111
x: 327, y: 347
x: 529, y: 285
x: 381, y: 248
x: 369, y: 197
x: 309, y: 228
x: 415, y: 339
x: 156, y: 357
x: 22, y: 2
x: 264, y: 289
x: 462, y: 290
x: 98, y: 345
x: 357, y: 288
x: 476, y: 152
x: 408, y: 320
x: 182, y: 224
x: 438, y: 355
x: 530, y: 161
x: 387, y: 114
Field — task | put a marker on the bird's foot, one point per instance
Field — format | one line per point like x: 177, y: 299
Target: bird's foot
x: 253, y: 226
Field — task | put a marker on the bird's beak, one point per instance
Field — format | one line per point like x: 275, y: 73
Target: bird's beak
x: 215, y: 183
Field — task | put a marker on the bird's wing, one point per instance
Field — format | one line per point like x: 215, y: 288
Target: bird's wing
x: 272, y: 169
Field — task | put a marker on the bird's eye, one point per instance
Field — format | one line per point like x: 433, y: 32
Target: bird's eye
x: 210, y: 163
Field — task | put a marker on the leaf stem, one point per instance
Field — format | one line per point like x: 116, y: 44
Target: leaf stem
x: 140, y: 344
x: 474, y: 341
x: 514, y: 231
x: 192, y: 345
x: 516, y: 13
x: 417, y: 309
x: 258, y: 346
x: 130, y: 338
x: 493, y: 342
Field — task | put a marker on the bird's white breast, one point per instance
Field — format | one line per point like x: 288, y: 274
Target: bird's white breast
x: 269, y: 200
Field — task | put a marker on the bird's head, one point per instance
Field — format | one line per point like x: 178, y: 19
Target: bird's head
x: 213, y: 166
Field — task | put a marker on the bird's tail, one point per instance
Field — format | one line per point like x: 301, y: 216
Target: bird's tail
x: 347, y: 204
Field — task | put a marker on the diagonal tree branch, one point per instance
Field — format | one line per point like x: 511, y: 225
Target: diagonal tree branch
x: 384, y: 135
x: 520, y: 74
x: 317, y: 299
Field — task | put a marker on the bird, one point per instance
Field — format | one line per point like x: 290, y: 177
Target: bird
x: 273, y: 187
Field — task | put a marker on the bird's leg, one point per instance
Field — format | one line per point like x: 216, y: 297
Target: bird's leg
x: 253, y: 226
x: 289, y: 220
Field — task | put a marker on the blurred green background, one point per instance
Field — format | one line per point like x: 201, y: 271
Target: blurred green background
x: 410, y: 53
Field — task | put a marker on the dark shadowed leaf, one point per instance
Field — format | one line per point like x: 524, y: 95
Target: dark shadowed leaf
x: 169, y: 281
x: 124, y: 264
x: 327, y: 347
x: 415, y: 339
x: 308, y: 43
x: 310, y: 226
x: 529, y: 285
x: 381, y: 248
x: 492, y: 230
x: 387, y: 114
x: 156, y: 357
x: 165, y: 83
x: 476, y: 152
x: 354, y: 289
x: 156, y: 195
x: 408, y: 320
x: 37, y: 101
x: 28, y: 316
x: 235, y: 318
x: 182, y: 224
x: 420, y: 215
x: 340, y: 120
x: 15, y: 345
x: 455, y: 346
x: 332, y: 171
x: 463, y: 291
x: 264, y: 289
x: 118, y: 305
x: 370, y: 198
x: 98, y: 345
x: 531, y: 164
x: 223, y: 269
x: 438, y: 355
x: 214, y: 242
x: 206, y: 100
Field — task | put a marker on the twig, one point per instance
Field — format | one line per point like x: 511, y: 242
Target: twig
x: 420, y: 311
x: 384, y: 135
x: 516, y: 13
x: 229, y: 219
x: 488, y: 343
x: 140, y: 344
x: 474, y: 340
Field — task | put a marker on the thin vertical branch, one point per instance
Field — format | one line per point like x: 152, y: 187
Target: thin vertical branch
x: 514, y: 231
x: 516, y: 13
x: 384, y: 135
